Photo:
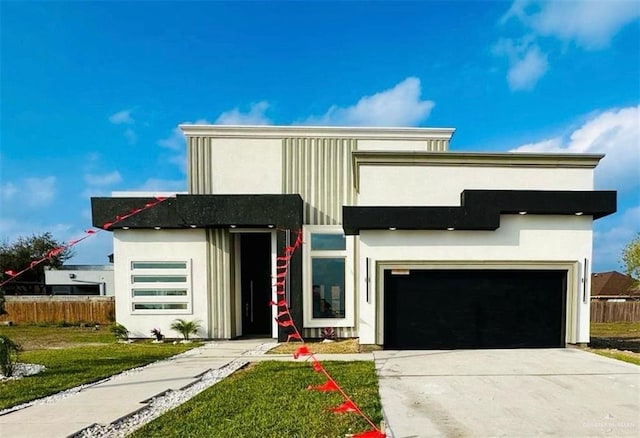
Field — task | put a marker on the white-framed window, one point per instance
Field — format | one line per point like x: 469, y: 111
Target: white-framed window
x: 328, y: 277
x: 160, y: 286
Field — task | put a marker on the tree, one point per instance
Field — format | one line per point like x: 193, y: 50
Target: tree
x: 631, y: 258
x: 25, y: 250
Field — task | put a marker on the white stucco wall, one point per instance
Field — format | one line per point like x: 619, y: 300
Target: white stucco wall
x: 442, y: 185
x: 365, y: 144
x: 529, y: 241
x: 246, y: 166
x: 152, y: 245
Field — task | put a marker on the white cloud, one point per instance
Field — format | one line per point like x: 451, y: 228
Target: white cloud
x: 589, y: 24
x: 255, y: 116
x: 611, y: 234
x: 162, y: 185
x: 104, y: 179
x: 616, y: 133
x: 131, y: 136
x: 527, y: 63
x: 526, y: 71
x: 122, y: 117
x: 38, y: 192
x: 8, y: 191
x: 11, y: 229
x: 397, y: 106
x: 176, y: 142
x: 93, y: 192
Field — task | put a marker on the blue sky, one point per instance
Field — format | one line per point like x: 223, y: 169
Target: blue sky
x: 92, y: 93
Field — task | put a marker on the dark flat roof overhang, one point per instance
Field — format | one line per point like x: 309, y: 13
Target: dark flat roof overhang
x: 479, y: 210
x: 201, y: 211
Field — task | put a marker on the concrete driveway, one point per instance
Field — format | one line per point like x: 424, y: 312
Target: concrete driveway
x: 508, y: 393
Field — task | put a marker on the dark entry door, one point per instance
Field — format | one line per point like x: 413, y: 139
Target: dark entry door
x: 255, y: 283
x: 448, y: 309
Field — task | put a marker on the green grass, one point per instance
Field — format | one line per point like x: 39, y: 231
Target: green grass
x: 624, y: 356
x: 269, y: 399
x: 74, y: 356
x: 617, y: 340
x: 615, y: 329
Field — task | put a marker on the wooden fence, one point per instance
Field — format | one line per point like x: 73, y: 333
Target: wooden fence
x: 607, y: 311
x: 55, y: 309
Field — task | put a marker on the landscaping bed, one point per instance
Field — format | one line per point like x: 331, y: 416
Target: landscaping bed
x: 320, y: 347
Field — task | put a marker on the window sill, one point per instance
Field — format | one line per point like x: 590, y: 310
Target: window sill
x: 328, y: 322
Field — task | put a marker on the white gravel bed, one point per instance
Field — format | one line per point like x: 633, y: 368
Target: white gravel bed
x: 165, y: 402
x: 23, y: 370
x: 261, y: 349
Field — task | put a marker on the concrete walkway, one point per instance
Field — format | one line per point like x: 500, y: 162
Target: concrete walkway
x: 508, y: 393
x: 124, y: 394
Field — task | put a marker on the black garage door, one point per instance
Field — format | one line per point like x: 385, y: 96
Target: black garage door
x: 446, y: 309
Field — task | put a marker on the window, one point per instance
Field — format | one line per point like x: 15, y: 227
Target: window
x: 328, y: 287
x: 159, y: 265
x: 159, y: 292
x: 160, y: 286
x: 85, y: 289
x: 328, y: 278
x: 159, y: 306
x: 158, y: 279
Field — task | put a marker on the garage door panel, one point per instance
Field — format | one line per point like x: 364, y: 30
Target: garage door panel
x: 440, y: 309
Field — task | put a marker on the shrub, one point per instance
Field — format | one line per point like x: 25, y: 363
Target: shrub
x: 186, y: 328
x: 120, y: 331
x: 157, y: 334
x: 8, y: 355
x: 328, y: 333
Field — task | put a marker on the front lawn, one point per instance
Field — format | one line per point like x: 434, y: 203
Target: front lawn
x: 34, y: 337
x: 615, y: 329
x: 617, y: 340
x: 270, y: 399
x: 74, y: 356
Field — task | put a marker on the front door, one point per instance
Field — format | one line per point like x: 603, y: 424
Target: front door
x: 255, y: 283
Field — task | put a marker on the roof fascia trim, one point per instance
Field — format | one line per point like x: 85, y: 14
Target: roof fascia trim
x: 364, y: 133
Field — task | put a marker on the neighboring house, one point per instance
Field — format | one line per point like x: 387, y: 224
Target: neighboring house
x: 614, y: 286
x: 80, y: 280
x: 406, y: 244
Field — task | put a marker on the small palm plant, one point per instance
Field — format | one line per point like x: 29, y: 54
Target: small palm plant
x: 157, y: 334
x: 120, y: 332
x: 186, y: 328
x: 8, y: 355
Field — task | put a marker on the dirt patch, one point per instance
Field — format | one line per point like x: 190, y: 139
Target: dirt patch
x: 319, y: 347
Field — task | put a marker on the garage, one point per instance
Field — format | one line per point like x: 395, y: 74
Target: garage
x: 474, y: 308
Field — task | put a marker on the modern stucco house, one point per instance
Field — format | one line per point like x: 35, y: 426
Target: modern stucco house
x: 406, y: 244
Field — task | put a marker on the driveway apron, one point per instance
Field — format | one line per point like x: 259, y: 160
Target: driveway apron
x: 508, y: 393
